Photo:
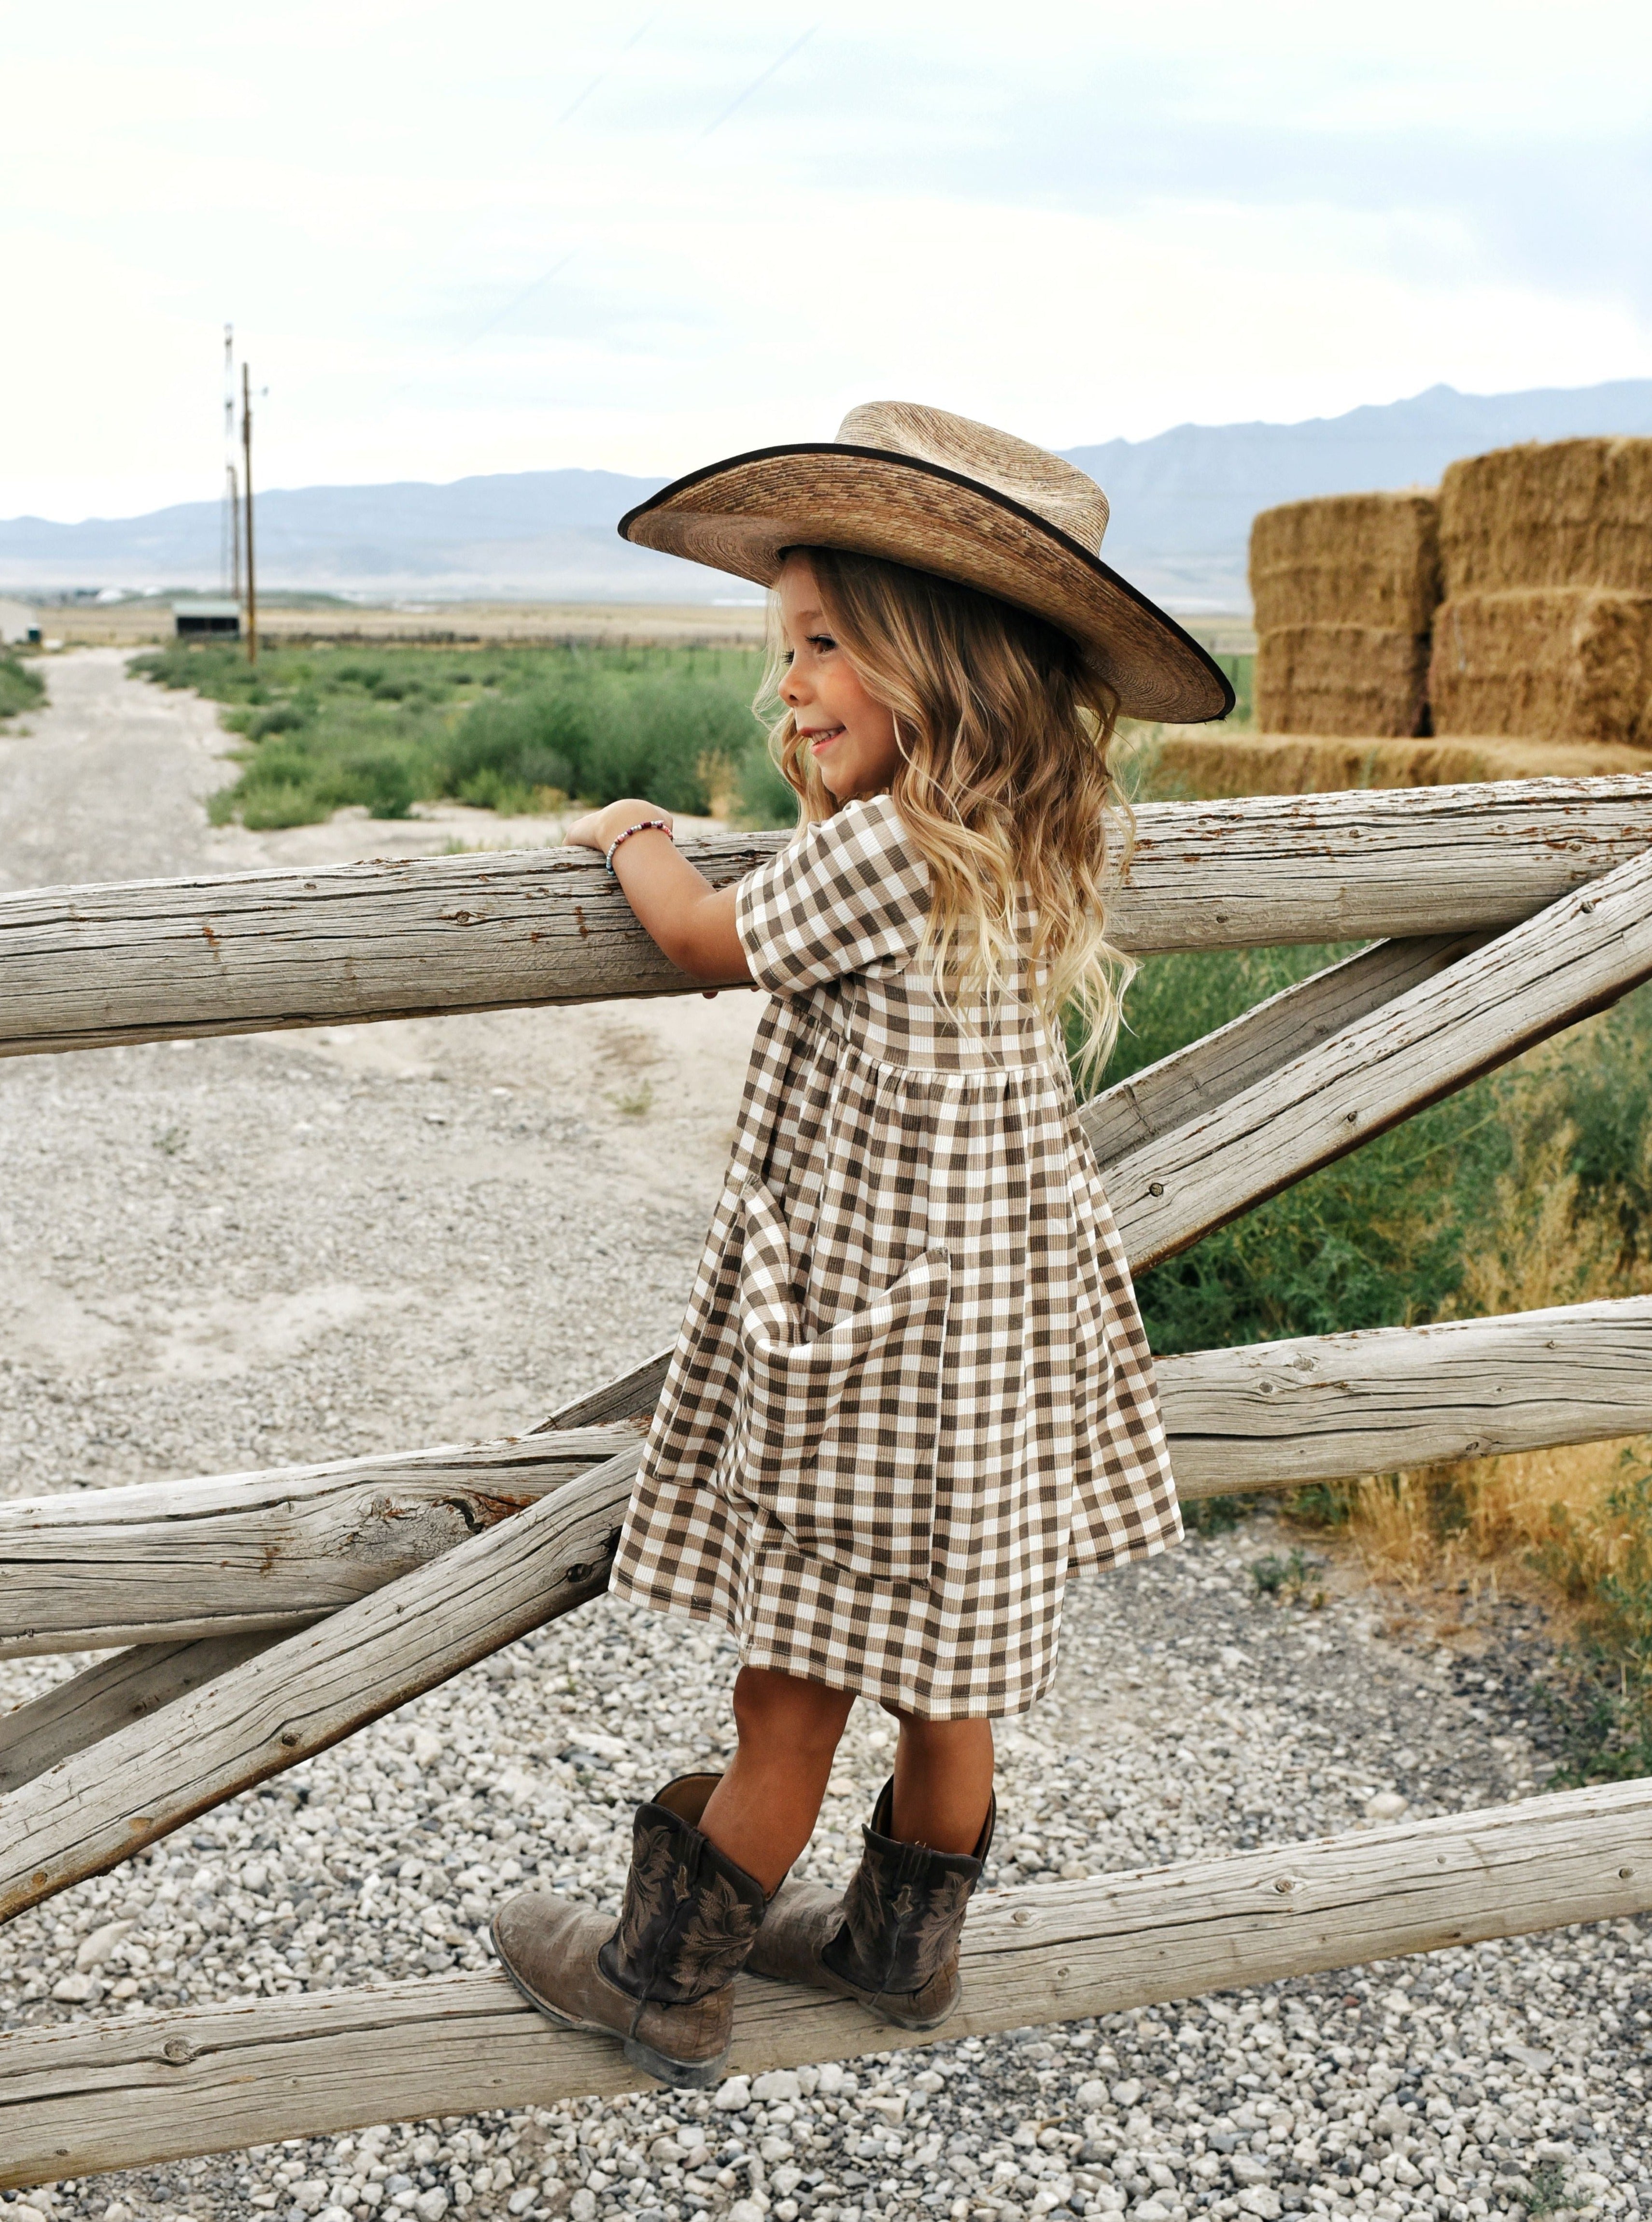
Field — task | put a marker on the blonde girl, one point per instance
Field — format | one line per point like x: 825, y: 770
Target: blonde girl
x: 912, y: 1394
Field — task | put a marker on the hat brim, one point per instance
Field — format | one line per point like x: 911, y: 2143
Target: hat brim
x: 740, y: 514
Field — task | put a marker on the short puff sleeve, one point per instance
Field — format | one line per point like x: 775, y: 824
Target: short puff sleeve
x: 846, y: 894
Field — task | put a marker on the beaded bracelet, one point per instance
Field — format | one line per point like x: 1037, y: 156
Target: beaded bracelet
x: 642, y: 825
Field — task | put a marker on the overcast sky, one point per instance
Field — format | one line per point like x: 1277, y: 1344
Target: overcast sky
x: 503, y: 236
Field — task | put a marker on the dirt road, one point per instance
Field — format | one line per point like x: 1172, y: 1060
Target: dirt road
x: 302, y: 1245
x: 105, y: 783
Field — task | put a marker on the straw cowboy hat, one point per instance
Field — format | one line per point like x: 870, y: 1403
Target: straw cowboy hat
x: 942, y: 494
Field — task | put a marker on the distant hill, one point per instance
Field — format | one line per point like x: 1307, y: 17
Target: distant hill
x: 1181, y: 509
x: 1182, y: 503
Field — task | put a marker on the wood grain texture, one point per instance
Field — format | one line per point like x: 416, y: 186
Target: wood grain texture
x: 108, y: 1694
x: 1207, y: 1072
x: 152, y: 2087
x: 632, y: 1397
x: 98, y: 1806
x: 147, y: 960
x: 1577, y: 957
x: 248, y: 952
x: 160, y: 1561
x: 1318, y: 1408
x: 1333, y: 1406
x: 1266, y: 870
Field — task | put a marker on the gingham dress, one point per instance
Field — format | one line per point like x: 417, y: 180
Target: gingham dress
x: 912, y: 1393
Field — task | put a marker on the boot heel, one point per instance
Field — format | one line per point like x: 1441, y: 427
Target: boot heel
x: 681, y: 2075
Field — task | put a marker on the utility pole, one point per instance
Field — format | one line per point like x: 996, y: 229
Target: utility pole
x: 232, y: 496
x: 246, y: 482
x: 231, y: 480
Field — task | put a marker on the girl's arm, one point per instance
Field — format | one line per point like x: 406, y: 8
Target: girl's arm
x: 679, y: 909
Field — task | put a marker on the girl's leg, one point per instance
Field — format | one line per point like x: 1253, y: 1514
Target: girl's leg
x: 943, y: 1782
x: 763, y: 1812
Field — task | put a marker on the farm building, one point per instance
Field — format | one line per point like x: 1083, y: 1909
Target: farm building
x: 190, y: 620
x: 19, y: 625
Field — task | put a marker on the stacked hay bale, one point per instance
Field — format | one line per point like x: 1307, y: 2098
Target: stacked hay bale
x: 1546, y: 631
x: 1345, y: 589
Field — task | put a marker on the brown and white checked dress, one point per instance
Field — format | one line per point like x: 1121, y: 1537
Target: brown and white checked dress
x: 912, y: 1393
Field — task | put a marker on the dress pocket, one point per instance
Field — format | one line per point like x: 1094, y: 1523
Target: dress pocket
x: 836, y: 1436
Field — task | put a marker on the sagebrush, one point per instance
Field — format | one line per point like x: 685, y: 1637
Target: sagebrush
x: 516, y: 730
x: 20, y: 686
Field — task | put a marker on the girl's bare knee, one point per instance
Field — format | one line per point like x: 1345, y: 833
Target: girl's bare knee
x: 773, y: 1708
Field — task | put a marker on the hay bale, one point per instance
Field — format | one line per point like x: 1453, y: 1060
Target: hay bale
x: 1557, y: 663
x: 1341, y: 678
x: 1565, y: 513
x: 1351, y: 559
x: 1193, y: 762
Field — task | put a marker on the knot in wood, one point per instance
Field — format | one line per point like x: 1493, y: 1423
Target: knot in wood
x: 1155, y: 1187
x: 177, y: 2050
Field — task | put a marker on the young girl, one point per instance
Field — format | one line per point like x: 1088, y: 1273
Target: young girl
x: 912, y: 1393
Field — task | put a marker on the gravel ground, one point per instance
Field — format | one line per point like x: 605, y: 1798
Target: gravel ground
x: 303, y: 1246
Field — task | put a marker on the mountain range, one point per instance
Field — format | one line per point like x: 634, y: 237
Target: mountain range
x: 1182, y: 503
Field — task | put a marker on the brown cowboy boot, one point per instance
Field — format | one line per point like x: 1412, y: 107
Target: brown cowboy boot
x: 661, y: 1980
x: 891, y: 1940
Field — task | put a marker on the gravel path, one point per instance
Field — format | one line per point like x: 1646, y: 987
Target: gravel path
x: 303, y: 1246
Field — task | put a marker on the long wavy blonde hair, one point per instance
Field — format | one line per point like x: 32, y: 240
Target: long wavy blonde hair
x: 1004, y: 785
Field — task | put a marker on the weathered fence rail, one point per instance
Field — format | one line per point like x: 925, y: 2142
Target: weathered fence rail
x: 97, y: 1806
x: 269, y: 1616
x: 151, y: 2087
x: 162, y: 1562
x: 153, y: 959
x: 159, y: 1563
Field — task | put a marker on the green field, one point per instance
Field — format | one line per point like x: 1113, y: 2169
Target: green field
x: 513, y: 730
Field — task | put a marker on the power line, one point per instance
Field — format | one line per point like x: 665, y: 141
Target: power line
x: 603, y: 74
x: 762, y: 79
x: 556, y: 269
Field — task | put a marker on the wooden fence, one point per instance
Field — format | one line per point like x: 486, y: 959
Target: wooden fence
x: 262, y: 1618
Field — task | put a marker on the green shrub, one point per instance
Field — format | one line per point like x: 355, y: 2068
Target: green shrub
x: 506, y: 729
x: 21, y: 688
x: 1413, y: 1227
x: 1605, y: 1097
x: 763, y: 797
x: 1378, y: 1240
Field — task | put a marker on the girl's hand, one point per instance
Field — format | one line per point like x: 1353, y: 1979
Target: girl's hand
x: 689, y: 918
x: 598, y: 828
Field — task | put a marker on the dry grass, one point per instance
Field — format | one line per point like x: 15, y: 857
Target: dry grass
x: 1554, y: 663
x: 1351, y: 559
x: 1499, y: 1521
x: 1566, y: 514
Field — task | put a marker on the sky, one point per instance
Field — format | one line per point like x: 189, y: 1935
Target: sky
x: 635, y: 237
